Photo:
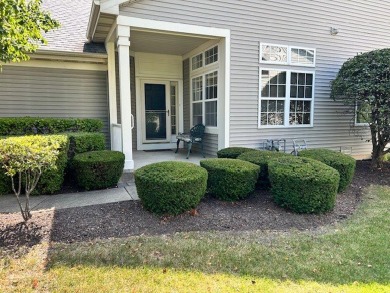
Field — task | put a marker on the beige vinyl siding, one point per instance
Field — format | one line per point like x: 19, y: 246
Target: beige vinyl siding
x: 48, y: 92
x: 133, y: 96
x: 299, y: 23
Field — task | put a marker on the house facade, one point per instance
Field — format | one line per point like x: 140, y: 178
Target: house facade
x: 248, y: 70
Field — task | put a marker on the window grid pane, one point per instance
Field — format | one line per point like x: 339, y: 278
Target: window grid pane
x: 197, y: 113
x: 211, y: 55
x: 302, y: 56
x: 301, y: 85
x: 212, y: 85
x: 197, y: 61
x: 211, y: 113
x: 300, y: 112
x: 197, y: 88
x: 272, y: 112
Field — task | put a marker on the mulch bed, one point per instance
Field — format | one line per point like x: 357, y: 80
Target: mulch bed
x: 258, y: 212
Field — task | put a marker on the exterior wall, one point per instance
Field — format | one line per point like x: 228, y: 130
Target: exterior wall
x: 133, y: 96
x: 51, y: 92
x: 210, y: 140
x: 302, y: 23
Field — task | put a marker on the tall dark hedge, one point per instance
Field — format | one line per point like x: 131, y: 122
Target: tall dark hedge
x: 303, y: 185
x: 37, y: 125
x: 343, y: 163
x: 170, y: 187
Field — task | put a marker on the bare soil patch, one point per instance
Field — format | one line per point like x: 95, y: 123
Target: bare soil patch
x: 123, y: 219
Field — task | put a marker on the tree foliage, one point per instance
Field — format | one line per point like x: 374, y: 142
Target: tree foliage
x: 24, y: 160
x: 364, y: 81
x: 22, y: 23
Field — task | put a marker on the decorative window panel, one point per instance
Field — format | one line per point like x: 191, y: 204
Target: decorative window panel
x: 211, y: 55
x: 274, y: 54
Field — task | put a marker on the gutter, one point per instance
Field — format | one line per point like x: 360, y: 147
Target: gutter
x: 93, y: 17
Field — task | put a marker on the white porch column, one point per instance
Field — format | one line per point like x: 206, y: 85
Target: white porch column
x: 123, y: 43
x: 110, y: 47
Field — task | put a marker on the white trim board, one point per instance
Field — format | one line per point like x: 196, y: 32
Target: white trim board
x: 60, y: 65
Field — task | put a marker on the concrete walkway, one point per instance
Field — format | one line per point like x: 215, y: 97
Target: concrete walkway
x: 126, y: 191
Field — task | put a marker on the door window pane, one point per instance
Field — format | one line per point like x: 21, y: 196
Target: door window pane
x: 155, y: 112
x: 212, y: 85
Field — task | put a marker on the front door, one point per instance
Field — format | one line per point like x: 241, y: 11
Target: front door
x: 156, y: 122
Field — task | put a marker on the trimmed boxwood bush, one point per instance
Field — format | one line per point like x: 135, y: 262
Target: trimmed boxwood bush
x: 37, y: 125
x: 170, y: 187
x: 82, y: 142
x: 230, y: 179
x: 302, y: 184
x: 232, y: 152
x: 261, y: 158
x: 52, y: 179
x: 343, y: 163
x: 98, y: 169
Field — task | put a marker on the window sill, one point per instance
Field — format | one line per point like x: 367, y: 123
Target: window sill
x: 284, y: 126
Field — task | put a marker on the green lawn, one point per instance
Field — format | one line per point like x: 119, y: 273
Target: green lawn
x: 350, y: 257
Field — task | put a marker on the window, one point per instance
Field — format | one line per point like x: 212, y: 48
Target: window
x: 286, y: 98
x: 173, y: 95
x: 287, y: 55
x: 211, y: 55
x: 205, y: 99
x: 300, y: 56
x: 197, y: 61
x: 363, y: 113
x: 205, y: 58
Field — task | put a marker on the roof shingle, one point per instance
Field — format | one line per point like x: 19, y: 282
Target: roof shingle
x: 71, y: 36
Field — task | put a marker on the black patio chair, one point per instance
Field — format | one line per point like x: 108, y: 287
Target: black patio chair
x: 195, y: 135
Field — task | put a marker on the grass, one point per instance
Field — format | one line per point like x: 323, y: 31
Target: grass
x: 349, y: 257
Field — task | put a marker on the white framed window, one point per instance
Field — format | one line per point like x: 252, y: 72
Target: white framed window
x: 287, y: 55
x: 286, y: 98
x: 204, y: 100
x: 362, y: 114
x: 205, y: 58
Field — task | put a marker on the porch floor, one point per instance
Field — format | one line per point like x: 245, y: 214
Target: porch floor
x: 143, y: 158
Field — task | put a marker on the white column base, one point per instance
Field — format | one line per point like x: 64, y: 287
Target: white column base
x: 129, y: 166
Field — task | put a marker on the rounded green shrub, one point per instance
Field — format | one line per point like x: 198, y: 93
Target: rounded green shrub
x: 343, y: 163
x: 302, y: 184
x: 230, y: 179
x: 232, y: 152
x: 98, y: 169
x: 170, y: 187
x: 261, y: 158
